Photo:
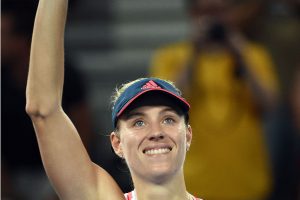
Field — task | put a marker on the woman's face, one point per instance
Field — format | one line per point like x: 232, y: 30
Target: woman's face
x: 153, y: 141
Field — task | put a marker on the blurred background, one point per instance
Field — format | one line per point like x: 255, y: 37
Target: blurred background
x: 112, y: 42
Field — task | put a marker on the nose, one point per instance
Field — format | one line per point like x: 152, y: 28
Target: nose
x: 156, y: 133
x: 156, y: 137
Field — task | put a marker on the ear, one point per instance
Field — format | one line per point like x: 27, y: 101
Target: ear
x: 116, y: 144
x: 189, y: 135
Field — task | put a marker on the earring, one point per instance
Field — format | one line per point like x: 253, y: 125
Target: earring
x: 187, y: 147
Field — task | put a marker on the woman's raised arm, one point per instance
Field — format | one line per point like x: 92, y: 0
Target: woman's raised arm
x: 72, y: 173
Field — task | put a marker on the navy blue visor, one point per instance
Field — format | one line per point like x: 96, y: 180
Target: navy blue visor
x: 145, y: 86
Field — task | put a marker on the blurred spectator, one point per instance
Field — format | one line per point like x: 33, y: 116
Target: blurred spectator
x: 285, y: 145
x: 295, y: 98
x: 23, y: 176
x: 295, y: 107
x: 231, y: 84
x: 278, y: 28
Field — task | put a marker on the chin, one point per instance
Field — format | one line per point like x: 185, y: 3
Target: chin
x: 160, y: 174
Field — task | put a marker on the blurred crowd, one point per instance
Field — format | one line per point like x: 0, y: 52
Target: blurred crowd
x: 240, y: 70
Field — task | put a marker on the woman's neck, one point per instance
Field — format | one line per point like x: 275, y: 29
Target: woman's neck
x: 171, y: 189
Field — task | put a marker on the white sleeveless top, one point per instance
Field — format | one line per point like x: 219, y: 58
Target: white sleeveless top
x: 132, y: 196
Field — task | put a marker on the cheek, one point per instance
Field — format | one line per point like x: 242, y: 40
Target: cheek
x: 182, y: 136
x: 182, y: 139
x: 129, y: 143
x: 178, y: 134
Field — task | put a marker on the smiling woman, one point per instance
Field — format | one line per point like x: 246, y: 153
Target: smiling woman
x: 149, y: 115
x: 152, y: 133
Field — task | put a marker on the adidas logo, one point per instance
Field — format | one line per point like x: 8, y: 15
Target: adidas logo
x: 150, y: 85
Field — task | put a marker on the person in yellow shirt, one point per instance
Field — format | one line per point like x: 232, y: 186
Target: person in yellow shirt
x: 230, y: 83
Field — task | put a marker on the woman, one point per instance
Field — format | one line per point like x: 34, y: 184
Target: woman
x: 150, y: 118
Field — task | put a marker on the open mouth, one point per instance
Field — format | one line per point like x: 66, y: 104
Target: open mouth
x: 156, y: 151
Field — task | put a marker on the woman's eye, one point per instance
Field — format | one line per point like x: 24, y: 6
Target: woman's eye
x: 139, y: 123
x: 169, y: 121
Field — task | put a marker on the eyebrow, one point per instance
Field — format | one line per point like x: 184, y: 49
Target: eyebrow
x: 133, y: 114
x: 169, y: 109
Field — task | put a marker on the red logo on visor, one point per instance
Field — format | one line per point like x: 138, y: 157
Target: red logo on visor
x: 150, y: 85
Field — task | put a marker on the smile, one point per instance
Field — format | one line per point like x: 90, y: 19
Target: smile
x: 157, y: 151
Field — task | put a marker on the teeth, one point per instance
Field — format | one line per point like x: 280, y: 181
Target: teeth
x: 157, y: 151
